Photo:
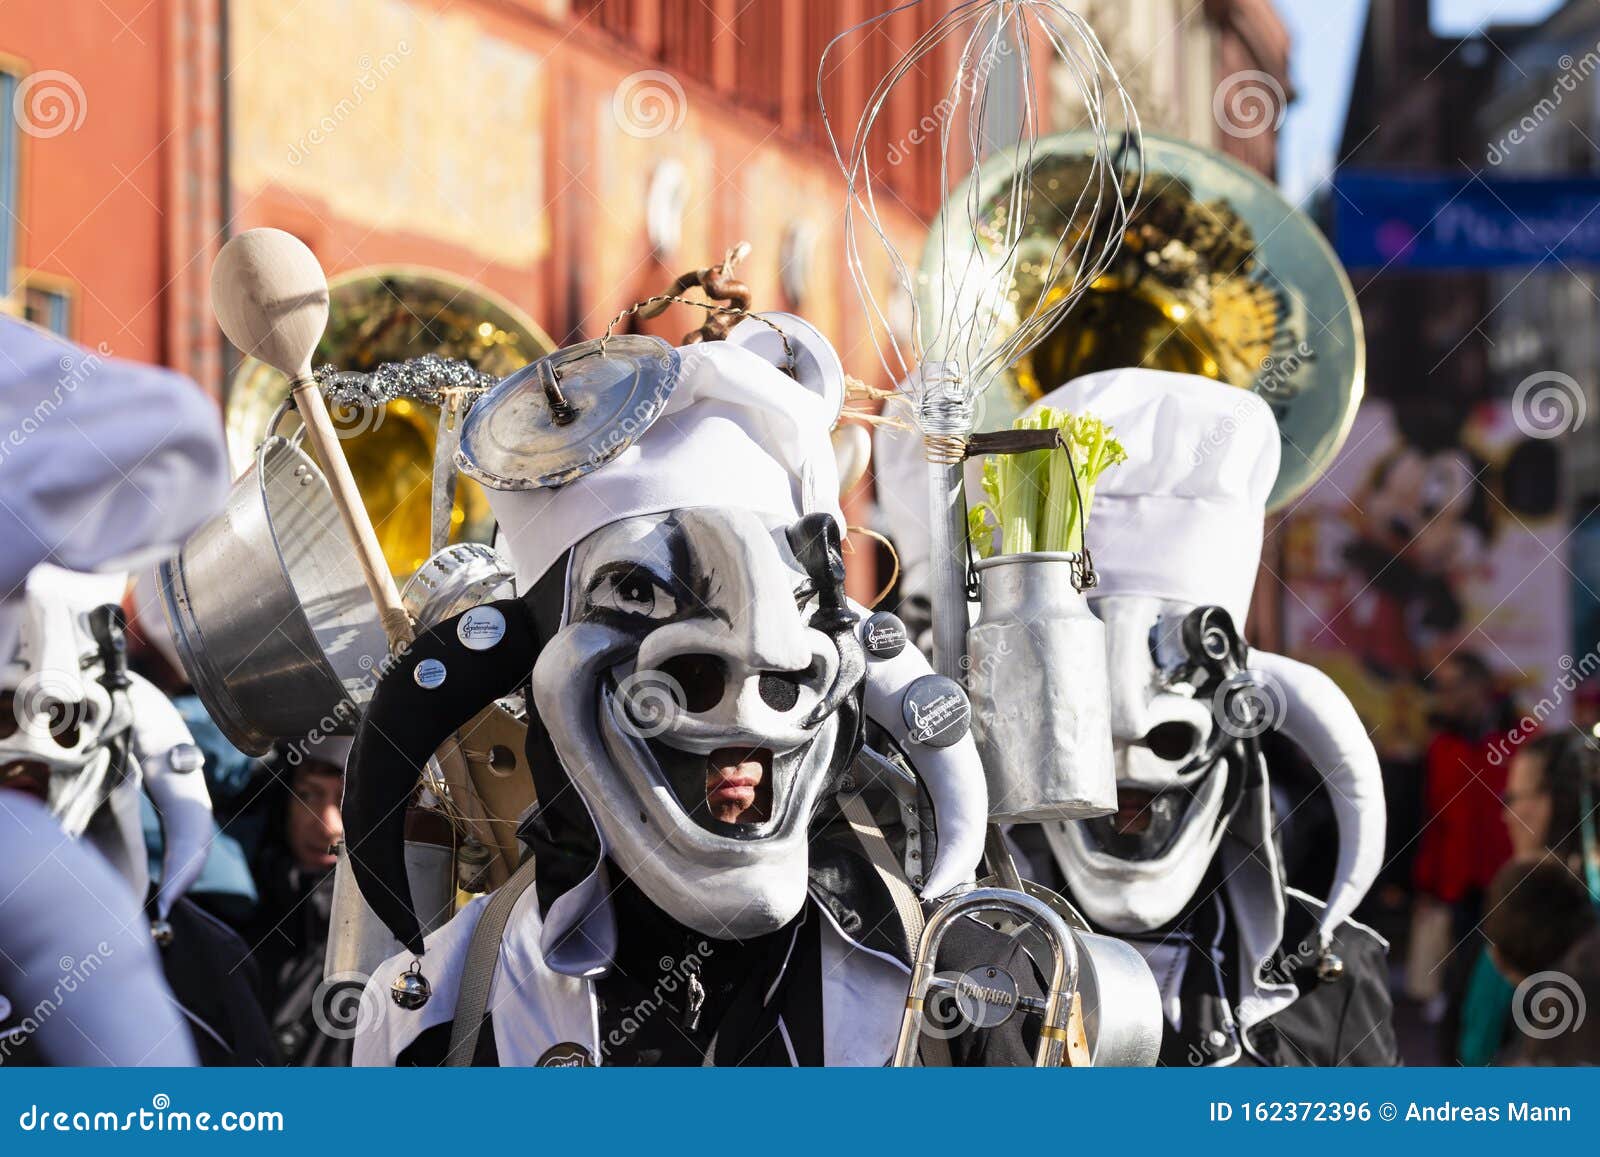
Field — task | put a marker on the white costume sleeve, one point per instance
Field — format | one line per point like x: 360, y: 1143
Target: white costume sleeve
x: 76, y: 961
x: 105, y: 464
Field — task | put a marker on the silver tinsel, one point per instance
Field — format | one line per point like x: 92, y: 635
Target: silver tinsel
x: 425, y: 379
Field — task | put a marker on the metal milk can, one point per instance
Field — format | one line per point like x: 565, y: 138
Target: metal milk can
x: 1039, y: 690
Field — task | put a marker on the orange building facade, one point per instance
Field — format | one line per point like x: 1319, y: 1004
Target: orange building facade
x: 572, y: 156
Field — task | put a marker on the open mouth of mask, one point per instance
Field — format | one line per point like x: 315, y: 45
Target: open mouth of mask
x: 740, y: 788
x: 1144, y: 825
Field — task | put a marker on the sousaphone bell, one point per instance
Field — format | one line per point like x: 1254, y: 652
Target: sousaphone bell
x: 1217, y: 275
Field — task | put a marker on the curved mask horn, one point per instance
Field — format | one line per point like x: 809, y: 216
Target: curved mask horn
x: 953, y: 775
x: 170, y: 764
x: 1317, y: 718
x: 410, y: 714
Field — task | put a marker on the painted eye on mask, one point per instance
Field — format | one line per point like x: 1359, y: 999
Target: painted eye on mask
x: 632, y: 591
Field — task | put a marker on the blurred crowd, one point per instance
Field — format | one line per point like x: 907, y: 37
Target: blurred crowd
x: 1492, y: 889
x: 268, y: 876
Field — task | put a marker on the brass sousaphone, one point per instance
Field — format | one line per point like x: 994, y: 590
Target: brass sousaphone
x: 1217, y: 275
x: 388, y: 315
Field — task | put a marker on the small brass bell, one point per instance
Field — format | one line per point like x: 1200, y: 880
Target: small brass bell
x: 1330, y: 967
x: 161, y: 933
x: 411, y: 989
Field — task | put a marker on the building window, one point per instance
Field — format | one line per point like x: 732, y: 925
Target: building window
x: 10, y: 162
x: 686, y: 35
x: 48, y: 307
x: 617, y: 17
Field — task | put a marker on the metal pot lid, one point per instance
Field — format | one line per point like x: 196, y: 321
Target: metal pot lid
x: 458, y: 577
x: 568, y: 414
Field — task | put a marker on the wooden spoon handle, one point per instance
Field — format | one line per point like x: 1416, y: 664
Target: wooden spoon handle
x: 325, y: 442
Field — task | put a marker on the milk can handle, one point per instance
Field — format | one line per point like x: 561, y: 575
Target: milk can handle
x: 1026, y: 441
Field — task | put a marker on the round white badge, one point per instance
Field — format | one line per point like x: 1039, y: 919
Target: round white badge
x: 429, y: 674
x: 481, y: 628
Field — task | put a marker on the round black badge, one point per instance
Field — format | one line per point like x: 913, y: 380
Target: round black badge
x: 936, y: 711
x: 566, y: 1055
x: 884, y: 636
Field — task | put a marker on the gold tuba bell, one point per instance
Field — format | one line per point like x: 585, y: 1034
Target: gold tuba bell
x: 383, y: 315
x: 1217, y: 275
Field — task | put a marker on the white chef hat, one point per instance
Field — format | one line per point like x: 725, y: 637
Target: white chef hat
x: 1182, y: 517
x: 736, y: 431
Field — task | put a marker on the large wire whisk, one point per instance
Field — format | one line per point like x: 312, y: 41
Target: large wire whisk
x: 967, y: 325
x: 975, y: 326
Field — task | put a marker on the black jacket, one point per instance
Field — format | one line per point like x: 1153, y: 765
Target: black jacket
x: 312, y: 1022
x: 645, y: 1019
x: 213, y: 974
x: 1342, y: 1017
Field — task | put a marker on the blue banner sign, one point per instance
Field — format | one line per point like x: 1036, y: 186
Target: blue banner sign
x: 1397, y: 221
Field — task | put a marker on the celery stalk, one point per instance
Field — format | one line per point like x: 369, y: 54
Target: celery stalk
x: 981, y: 530
x: 1032, y: 498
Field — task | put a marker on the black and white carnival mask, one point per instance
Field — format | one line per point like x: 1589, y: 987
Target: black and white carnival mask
x: 1138, y: 868
x: 1177, y: 533
x: 61, y: 729
x: 687, y: 696
x: 707, y: 679
x: 56, y: 713
x: 698, y: 677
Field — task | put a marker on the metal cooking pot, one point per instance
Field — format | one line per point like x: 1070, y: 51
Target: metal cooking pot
x: 268, y: 609
x: 1122, y: 1018
x: 1041, y: 712
x: 1121, y: 1003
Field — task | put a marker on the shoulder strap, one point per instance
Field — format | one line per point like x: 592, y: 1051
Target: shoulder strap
x: 935, y: 1051
x: 483, y: 954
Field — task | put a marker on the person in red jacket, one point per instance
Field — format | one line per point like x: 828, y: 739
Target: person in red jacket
x: 1463, y: 841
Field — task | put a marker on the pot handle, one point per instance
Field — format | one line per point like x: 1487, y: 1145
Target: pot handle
x: 285, y: 408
